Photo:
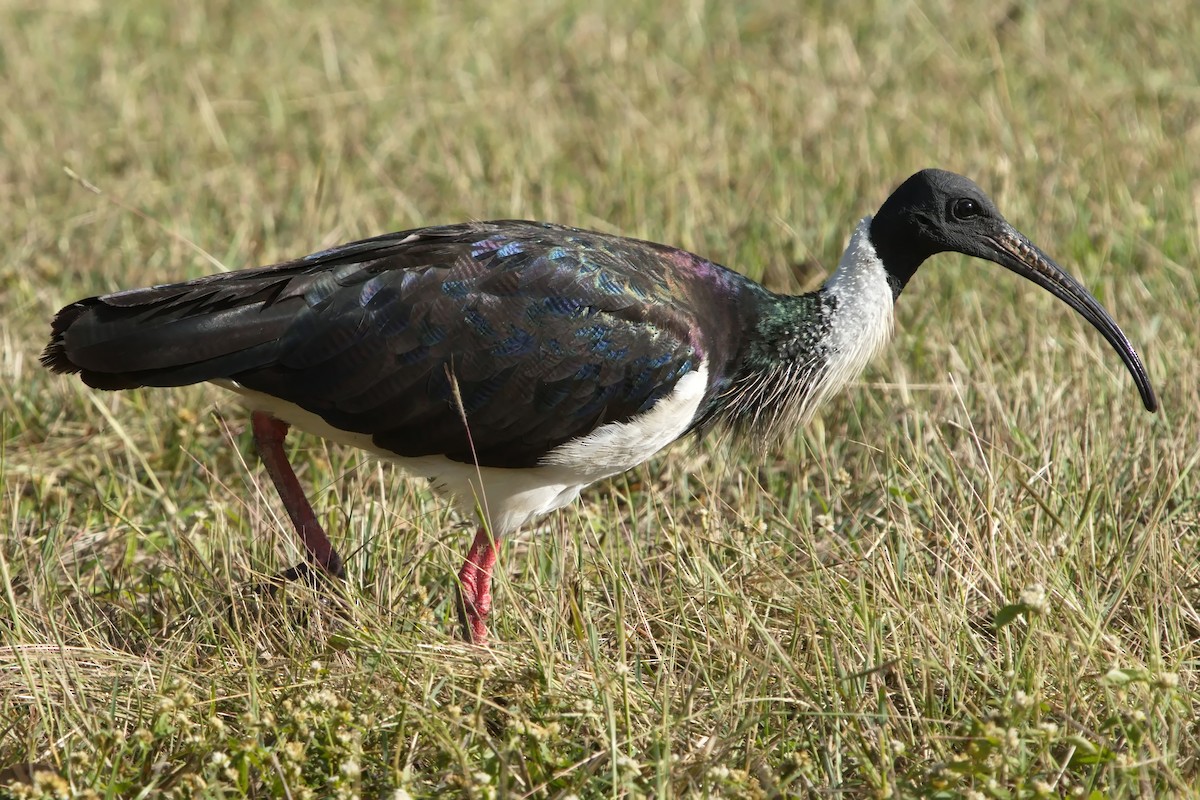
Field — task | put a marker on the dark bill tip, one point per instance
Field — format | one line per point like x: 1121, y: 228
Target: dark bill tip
x: 1013, y: 251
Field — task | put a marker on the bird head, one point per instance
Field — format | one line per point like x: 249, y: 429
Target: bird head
x: 936, y: 211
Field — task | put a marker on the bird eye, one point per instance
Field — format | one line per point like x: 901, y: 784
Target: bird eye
x: 965, y: 208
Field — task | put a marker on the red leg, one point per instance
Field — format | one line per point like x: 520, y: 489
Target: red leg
x: 475, y: 587
x: 269, y: 434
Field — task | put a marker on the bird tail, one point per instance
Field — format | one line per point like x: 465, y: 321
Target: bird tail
x: 176, y: 334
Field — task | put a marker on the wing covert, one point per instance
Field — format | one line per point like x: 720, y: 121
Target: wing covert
x: 546, y: 338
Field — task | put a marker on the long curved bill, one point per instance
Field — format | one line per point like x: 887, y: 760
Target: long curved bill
x: 1010, y: 249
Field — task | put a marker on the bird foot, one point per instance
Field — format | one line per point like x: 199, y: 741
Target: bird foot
x: 301, y: 573
x: 329, y: 592
x: 474, y: 605
x: 475, y: 588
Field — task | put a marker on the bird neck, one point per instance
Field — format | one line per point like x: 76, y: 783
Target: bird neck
x: 804, y: 348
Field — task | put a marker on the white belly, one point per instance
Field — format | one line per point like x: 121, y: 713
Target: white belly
x: 512, y: 497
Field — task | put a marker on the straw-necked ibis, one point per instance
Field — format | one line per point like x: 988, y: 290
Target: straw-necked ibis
x: 514, y: 363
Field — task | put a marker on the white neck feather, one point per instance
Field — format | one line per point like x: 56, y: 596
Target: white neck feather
x: 856, y: 315
x: 862, y: 320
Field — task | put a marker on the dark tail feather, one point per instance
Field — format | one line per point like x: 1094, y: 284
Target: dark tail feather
x: 54, y: 357
x: 172, y: 335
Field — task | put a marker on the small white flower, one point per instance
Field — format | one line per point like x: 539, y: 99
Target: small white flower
x: 1034, y: 598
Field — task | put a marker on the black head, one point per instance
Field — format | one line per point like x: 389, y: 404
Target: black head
x: 936, y: 211
x: 932, y: 212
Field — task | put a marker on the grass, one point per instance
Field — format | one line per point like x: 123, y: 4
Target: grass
x: 973, y: 575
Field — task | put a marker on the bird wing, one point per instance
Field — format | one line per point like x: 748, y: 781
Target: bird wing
x: 537, y: 333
